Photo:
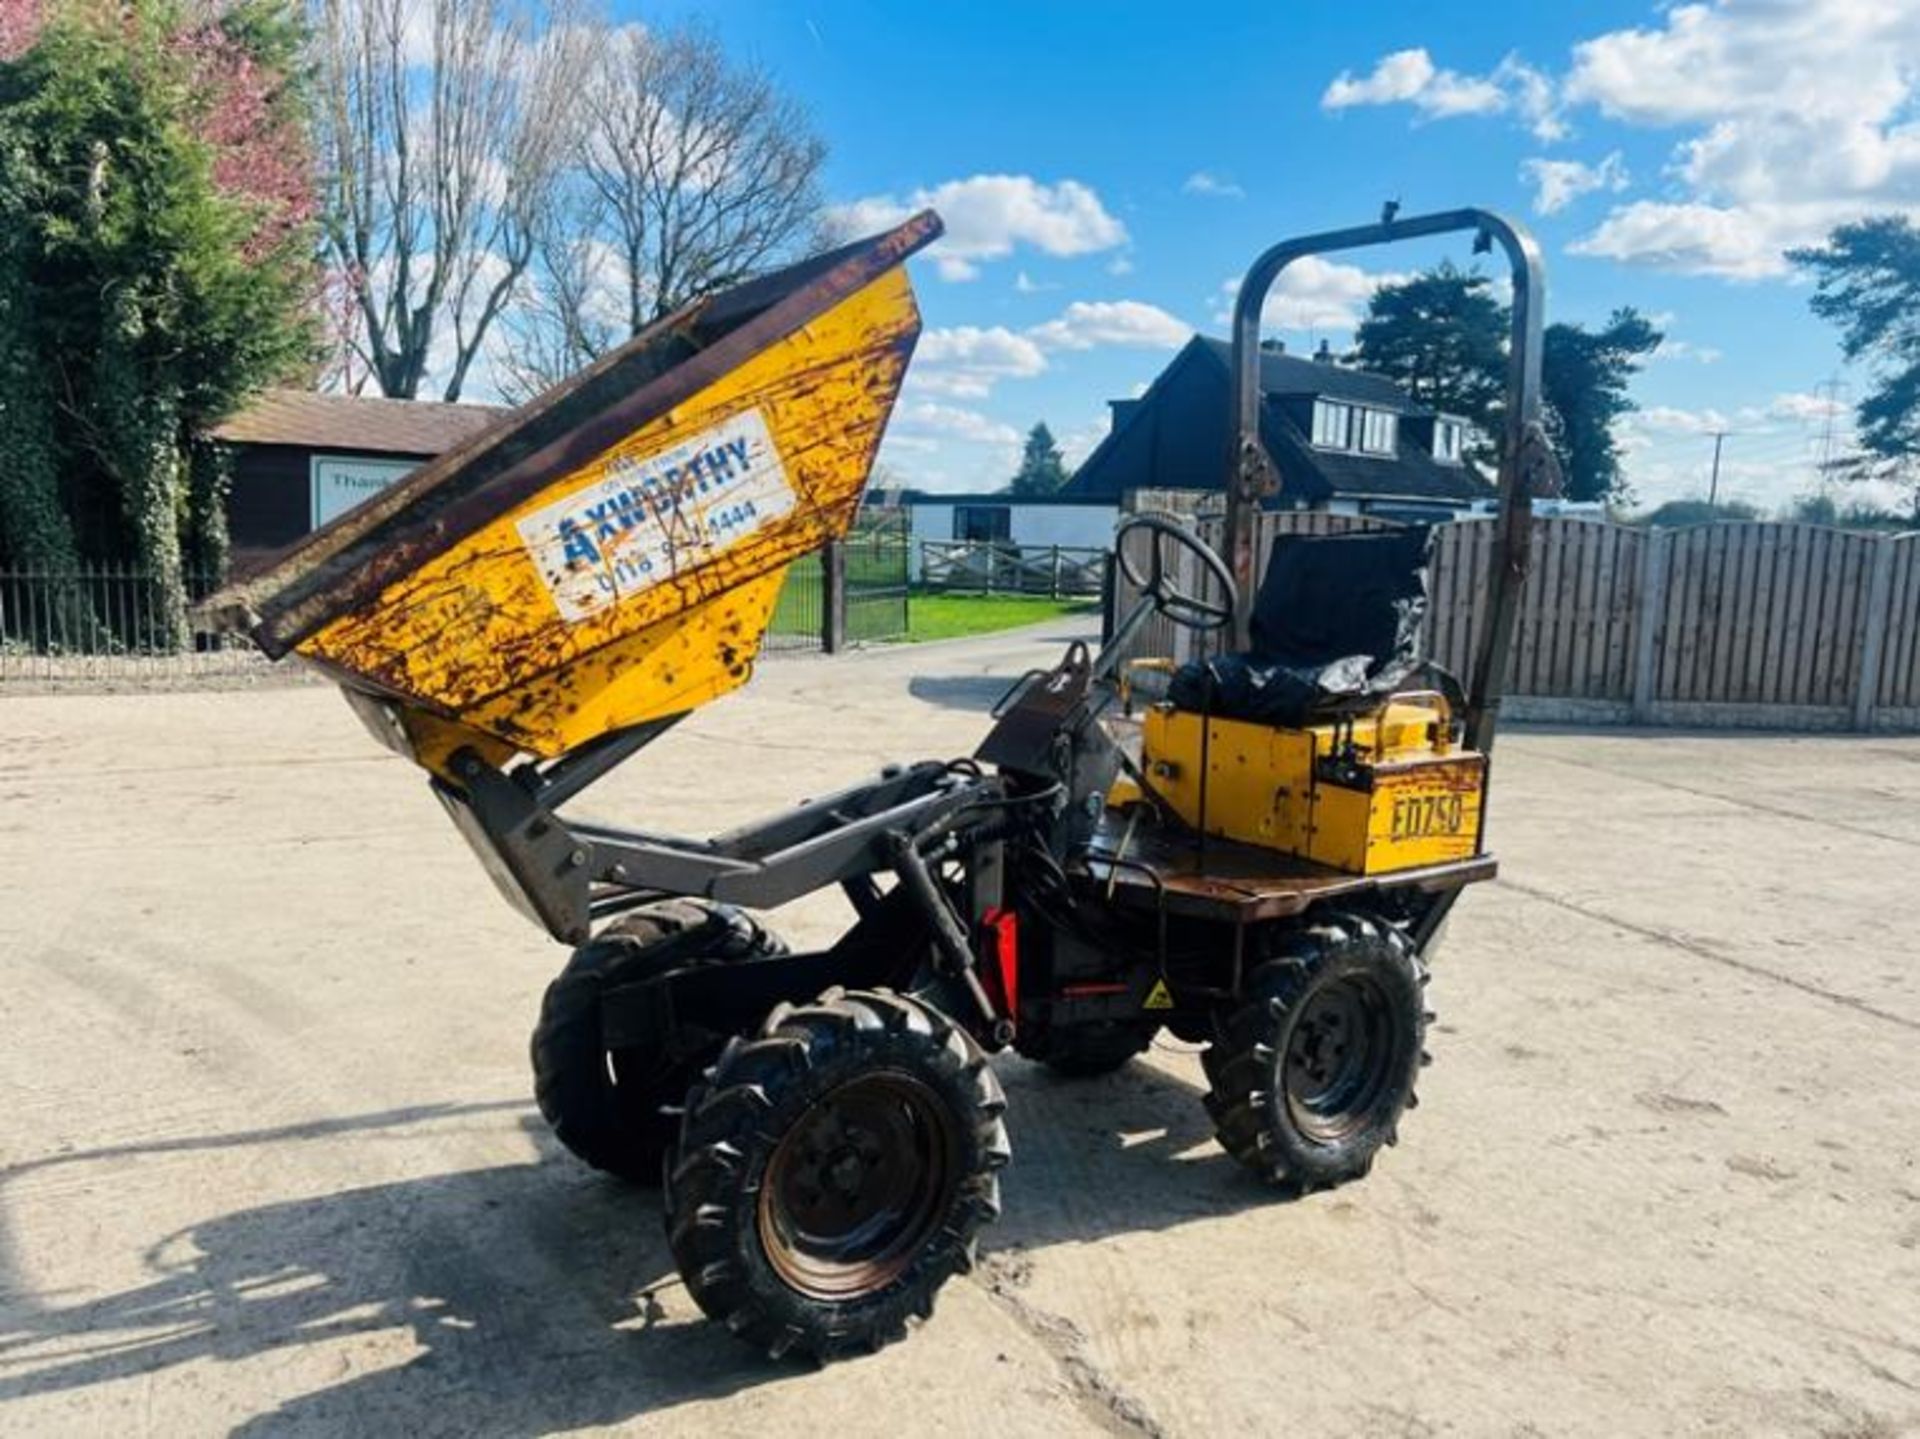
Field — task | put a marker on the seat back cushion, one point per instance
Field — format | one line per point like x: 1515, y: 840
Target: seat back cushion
x: 1330, y: 597
x: 1336, y: 625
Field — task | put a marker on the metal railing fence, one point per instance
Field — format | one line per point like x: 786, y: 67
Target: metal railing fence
x: 109, y: 621
x: 119, y: 623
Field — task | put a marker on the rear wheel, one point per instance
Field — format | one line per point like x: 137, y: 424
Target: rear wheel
x: 833, y: 1171
x: 617, y: 1109
x: 1310, y: 1075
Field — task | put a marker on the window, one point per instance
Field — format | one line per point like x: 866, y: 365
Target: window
x: 1378, y: 431
x: 1332, y: 425
x: 982, y: 524
x: 1448, y: 439
x: 1338, y: 426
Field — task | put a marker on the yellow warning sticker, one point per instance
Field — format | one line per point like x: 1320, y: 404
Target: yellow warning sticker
x: 1158, y: 997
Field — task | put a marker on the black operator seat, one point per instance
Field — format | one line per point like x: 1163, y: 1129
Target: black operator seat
x: 1335, y: 629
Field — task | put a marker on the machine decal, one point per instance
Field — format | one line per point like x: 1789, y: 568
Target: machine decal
x: 646, y: 520
x: 1158, y: 997
x: 1416, y: 816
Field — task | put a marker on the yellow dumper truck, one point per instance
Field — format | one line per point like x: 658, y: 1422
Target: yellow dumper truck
x: 1259, y: 861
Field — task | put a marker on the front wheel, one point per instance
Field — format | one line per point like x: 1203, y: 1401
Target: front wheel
x: 1310, y: 1075
x: 833, y: 1171
x: 617, y: 1109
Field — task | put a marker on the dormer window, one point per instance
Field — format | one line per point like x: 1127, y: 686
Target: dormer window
x: 1449, y: 439
x: 1354, y: 428
x: 1332, y: 424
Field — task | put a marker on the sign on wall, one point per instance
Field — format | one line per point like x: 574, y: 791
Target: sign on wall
x: 341, y: 481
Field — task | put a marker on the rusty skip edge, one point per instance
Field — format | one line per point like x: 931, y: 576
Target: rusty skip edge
x: 352, y: 559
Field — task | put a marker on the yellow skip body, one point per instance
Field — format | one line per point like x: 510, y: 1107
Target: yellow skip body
x: 611, y: 553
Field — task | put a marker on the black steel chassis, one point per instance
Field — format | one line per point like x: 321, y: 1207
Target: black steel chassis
x: 911, y: 821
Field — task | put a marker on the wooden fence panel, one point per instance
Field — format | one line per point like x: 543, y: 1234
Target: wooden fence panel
x: 1748, y: 616
x: 1899, y: 686
x: 1824, y: 620
x: 1454, y: 608
x: 1626, y: 608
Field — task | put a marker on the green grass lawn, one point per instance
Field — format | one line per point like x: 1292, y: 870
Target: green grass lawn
x: 946, y: 617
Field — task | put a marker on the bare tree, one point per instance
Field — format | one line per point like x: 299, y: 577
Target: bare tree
x: 442, y: 126
x: 568, y: 313
x: 692, y: 174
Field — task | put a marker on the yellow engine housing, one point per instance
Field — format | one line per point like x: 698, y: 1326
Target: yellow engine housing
x: 1371, y: 795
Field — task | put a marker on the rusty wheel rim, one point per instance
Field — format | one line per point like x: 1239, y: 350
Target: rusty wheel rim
x: 857, y: 1186
x: 1339, y: 1058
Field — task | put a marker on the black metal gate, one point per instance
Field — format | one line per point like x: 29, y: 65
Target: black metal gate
x: 869, y: 603
x: 877, y: 553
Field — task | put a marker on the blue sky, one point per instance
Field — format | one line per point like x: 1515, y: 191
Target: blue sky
x: 1107, y: 171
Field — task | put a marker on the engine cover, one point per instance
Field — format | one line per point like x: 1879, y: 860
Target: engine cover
x: 1368, y: 795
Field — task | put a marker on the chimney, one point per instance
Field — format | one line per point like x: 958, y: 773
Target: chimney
x: 1121, y: 409
x: 1324, y: 354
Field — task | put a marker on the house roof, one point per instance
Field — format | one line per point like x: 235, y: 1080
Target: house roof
x: 1412, y: 473
x: 1282, y: 374
x: 1137, y: 454
x: 421, y: 428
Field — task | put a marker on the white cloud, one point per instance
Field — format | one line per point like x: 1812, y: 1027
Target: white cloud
x: 1770, y: 456
x: 936, y: 446
x: 1203, y: 182
x: 1804, y: 407
x: 1409, y: 77
x: 1696, y: 238
x: 1836, y: 59
x: 1077, y: 443
x: 1672, y: 349
x: 928, y: 417
x: 1533, y: 97
x: 1120, y: 265
x: 989, y: 216
x: 1667, y: 419
x: 1025, y: 284
x: 1087, y: 323
x: 1793, y: 116
x: 965, y: 361
x: 1558, y: 183
x: 1803, y: 112
x: 1313, y: 294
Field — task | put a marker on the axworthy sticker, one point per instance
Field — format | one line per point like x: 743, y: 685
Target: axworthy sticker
x: 650, y: 519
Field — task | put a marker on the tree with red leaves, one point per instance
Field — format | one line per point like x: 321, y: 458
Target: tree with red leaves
x: 19, y: 25
x: 156, y: 269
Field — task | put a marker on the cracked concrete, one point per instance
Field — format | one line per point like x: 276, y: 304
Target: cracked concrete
x: 269, y: 1164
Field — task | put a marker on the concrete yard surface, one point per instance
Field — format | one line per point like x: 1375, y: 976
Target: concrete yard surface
x: 270, y: 1165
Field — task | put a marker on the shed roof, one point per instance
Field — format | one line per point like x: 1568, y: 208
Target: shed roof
x: 302, y: 418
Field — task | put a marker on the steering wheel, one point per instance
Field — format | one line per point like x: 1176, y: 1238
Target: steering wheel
x: 1193, y: 611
